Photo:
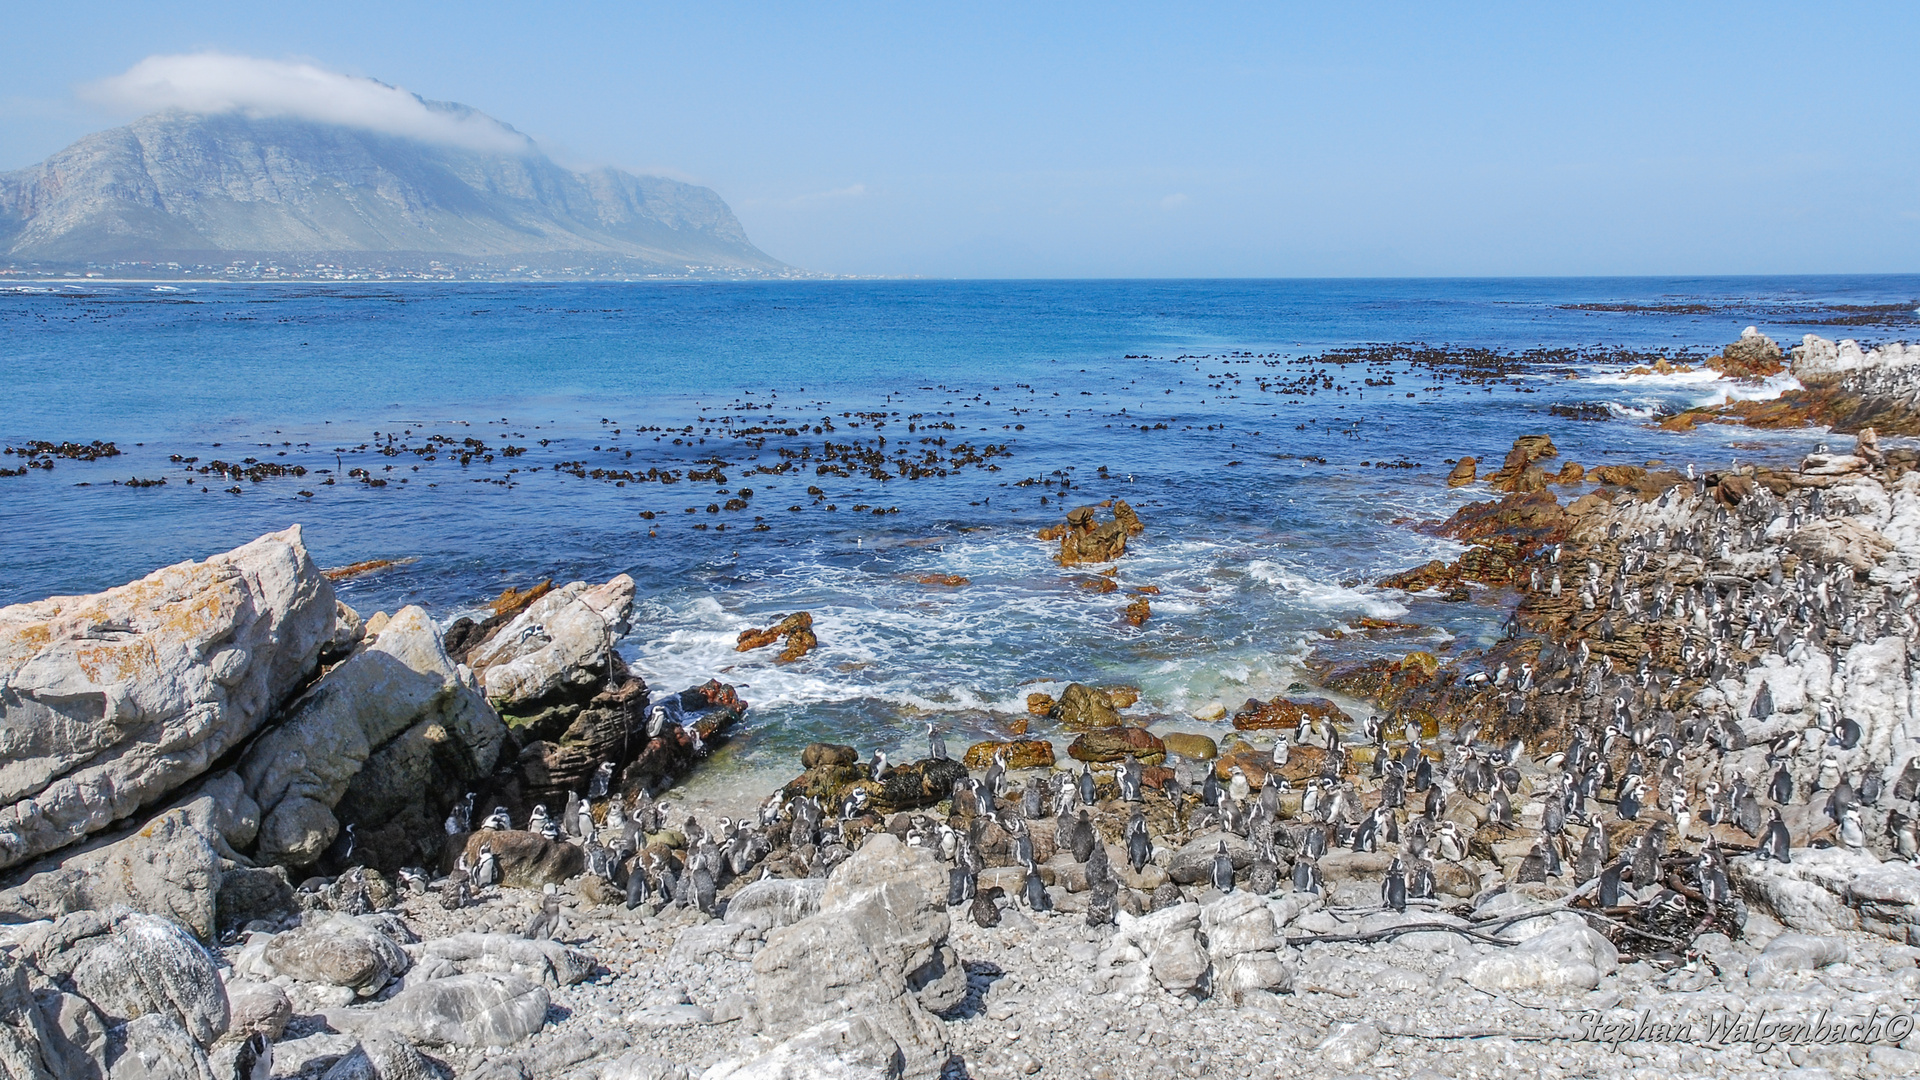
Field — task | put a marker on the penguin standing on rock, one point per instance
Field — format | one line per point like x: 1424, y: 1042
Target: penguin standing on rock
x: 486, y: 869
x: 962, y: 886
x: 1035, y: 891
x: 1220, y: 871
x: 1393, y: 890
x: 255, y: 1059
x: 1775, y: 842
x: 1306, y: 876
x: 1139, y: 845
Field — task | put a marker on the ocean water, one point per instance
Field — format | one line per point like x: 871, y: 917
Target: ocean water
x: 1274, y: 486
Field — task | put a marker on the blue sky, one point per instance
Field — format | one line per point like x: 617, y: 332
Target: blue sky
x: 1062, y: 140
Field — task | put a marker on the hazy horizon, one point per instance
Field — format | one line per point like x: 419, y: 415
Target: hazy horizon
x: 1081, y: 142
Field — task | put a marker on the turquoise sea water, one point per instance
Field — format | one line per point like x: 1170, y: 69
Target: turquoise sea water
x: 1256, y: 468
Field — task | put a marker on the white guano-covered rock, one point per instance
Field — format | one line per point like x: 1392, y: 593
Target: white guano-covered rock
x: 1825, y: 891
x: 116, y: 699
x: 1794, y: 952
x: 547, y: 962
x: 463, y: 1010
x: 1570, y: 956
x: 559, y: 642
x: 857, y: 970
x: 403, y: 682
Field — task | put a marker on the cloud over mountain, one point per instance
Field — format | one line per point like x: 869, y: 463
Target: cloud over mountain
x: 214, y: 83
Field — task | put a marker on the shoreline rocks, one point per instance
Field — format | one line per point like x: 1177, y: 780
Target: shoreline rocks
x: 117, y: 700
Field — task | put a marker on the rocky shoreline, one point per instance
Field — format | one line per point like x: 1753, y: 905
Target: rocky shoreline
x: 1667, y: 822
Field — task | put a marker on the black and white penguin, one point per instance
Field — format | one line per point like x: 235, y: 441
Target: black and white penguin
x: 636, y: 886
x: 486, y: 868
x: 1088, y: 789
x: 1022, y: 840
x: 1609, y: 892
x: 1781, y: 790
x: 1775, y: 842
x: 1420, y: 885
x: 540, y: 822
x: 1210, y: 789
x: 499, y: 819
x: 1139, y: 845
x: 255, y: 1058
x: 936, y: 744
x: 1500, y: 808
x: 1306, y: 876
x: 460, y: 818
x: 602, y: 780
x: 1130, y: 776
x: 996, y: 775
x: 1034, y: 891
x: 1393, y: 889
x: 1081, y: 839
x: 1847, y: 732
x: 340, y: 852
x: 1220, y: 871
x: 853, y: 804
x: 962, y: 886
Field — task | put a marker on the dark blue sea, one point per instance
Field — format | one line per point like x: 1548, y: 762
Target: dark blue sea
x: 831, y: 443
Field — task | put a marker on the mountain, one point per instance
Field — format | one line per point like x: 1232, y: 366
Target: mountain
x: 214, y: 189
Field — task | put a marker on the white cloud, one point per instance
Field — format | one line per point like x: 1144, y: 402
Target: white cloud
x: 220, y: 83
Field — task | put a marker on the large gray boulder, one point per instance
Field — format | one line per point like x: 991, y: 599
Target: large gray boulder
x: 395, y: 724
x: 149, y: 966
x: 851, y: 975
x: 169, y: 867
x: 382, y: 1055
x: 341, y: 951
x: 1825, y: 891
x: 155, y: 1047
x: 115, y: 700
x: 539, y: 960
x: 559, y: 642
x: 27, y: 1039
x: 1567, y: 956
x: 481, y: 1009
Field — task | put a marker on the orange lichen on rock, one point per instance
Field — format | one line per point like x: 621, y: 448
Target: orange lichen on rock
x: 1138, y: 612
x: 949, y: 580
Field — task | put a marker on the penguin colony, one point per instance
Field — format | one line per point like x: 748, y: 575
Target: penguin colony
x: 1642, y: 729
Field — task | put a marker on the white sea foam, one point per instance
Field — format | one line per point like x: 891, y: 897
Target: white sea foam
x: 1326, y: 596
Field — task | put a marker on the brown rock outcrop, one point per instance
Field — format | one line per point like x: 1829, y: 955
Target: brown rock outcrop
x: 1285, y: 713
x: 1116, y: 743
x: 1021, y: 754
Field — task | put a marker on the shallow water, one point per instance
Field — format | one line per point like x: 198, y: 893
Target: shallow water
x: 1266, y: 512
